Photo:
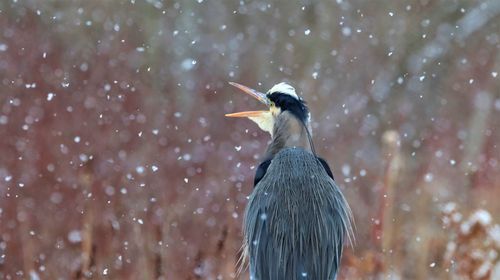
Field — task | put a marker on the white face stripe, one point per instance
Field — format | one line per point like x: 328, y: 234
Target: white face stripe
x: 284, y: 88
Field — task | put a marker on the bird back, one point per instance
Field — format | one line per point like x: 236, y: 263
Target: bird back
x: 296, y: 220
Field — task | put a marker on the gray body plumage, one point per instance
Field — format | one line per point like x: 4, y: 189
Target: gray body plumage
x: 296, y: 220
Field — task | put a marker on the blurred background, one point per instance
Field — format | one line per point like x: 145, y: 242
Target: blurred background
x: 116, y: 161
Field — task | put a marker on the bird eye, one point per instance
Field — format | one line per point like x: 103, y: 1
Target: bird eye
x: 272, y: 104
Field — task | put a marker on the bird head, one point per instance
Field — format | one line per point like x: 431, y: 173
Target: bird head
x: 280, y: 98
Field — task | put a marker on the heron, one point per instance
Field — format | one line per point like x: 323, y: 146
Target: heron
x: 297, y: 219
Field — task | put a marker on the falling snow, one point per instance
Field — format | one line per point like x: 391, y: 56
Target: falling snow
x: 50, y: 96
x: 74, y: 236
x: 116, y: 154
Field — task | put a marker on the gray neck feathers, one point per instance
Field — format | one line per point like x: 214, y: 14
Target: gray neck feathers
x: 288, y: 131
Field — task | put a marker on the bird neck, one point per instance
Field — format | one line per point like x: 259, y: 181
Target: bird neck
x: 288, y: 131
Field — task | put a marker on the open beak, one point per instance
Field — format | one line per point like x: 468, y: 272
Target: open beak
x: 255, y: 94
x: 263, y: 119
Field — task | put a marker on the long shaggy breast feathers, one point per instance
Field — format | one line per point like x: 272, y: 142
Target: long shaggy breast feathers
x: 296, y: 221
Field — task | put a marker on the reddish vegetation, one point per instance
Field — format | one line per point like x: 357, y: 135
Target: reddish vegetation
x: 116, y: 161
